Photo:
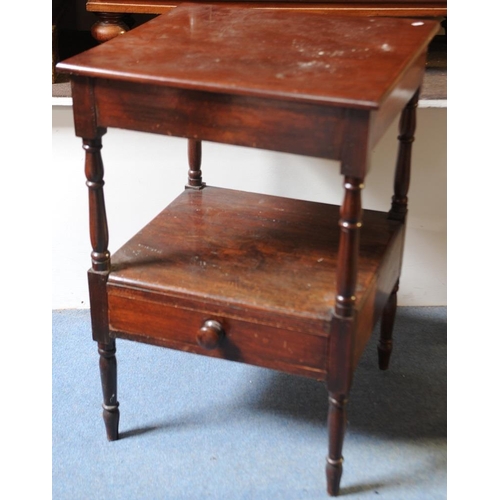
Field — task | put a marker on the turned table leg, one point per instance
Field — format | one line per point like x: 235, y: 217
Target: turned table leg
x: 407, y: 126
x: 384, y: 347
x: 107, y: 366
x: 97, y: 277
x: 195, y: 180
x: 341, y: 341
x: 398, y: 211
x: 337, y: 422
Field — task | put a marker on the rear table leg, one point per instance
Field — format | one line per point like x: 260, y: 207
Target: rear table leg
x: 386, y: 327
x: 194, y: 156
x: 398, y: 212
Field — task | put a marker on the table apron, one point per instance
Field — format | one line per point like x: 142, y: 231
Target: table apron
x: 273, y: 124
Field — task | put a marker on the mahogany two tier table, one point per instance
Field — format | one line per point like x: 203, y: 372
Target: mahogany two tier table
x: 280, y: 283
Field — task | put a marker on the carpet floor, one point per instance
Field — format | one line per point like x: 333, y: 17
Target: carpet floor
x: 195, y: 427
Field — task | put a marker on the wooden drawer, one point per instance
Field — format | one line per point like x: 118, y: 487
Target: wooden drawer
x: 134, y: 317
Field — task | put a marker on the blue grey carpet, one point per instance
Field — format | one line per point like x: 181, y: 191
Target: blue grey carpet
x: 194, y: 427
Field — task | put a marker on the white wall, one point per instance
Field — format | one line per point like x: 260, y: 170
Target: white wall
x: 144, y: 172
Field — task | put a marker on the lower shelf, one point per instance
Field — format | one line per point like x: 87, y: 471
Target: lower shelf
x: 262, y: 266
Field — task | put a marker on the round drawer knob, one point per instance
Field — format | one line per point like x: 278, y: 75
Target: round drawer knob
x: 210, y: 335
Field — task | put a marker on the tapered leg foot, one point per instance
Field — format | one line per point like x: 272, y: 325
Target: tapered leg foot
x: 336, y: 429
x: 111, y: 421
x: 107, y: 366
x: 386, y: 327
x: 333, y: 475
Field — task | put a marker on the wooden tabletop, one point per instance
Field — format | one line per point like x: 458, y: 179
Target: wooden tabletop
x: 285, y: 55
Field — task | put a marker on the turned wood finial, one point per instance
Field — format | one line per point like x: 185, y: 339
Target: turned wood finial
x: 350, y: 224
x: 108, y: 26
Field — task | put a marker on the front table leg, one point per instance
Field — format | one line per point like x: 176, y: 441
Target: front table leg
x: 98, y: 275
x: 107, y: 366
x: 337, y: 420
x: 341, y: 341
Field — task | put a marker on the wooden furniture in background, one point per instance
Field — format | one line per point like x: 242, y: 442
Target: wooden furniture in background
x: 113, y: 16
x: 285, y: 284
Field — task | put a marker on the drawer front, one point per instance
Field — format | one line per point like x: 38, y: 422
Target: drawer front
x: 161, y: 324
